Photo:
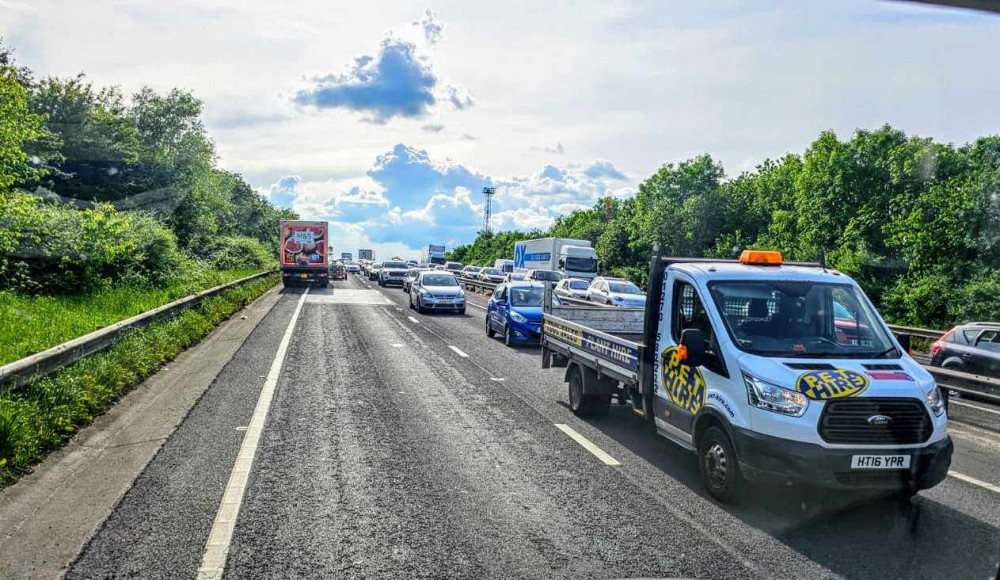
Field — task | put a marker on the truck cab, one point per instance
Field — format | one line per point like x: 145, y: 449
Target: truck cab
x: 769, y: 371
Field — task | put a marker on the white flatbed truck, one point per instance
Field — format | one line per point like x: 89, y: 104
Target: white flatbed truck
x: 768, y: 370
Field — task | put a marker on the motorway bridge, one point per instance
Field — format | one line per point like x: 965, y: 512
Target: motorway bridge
x: 395, y: 444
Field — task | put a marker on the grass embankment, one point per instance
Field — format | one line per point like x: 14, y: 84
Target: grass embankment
x: 30, y: 324
x: 41, y: 416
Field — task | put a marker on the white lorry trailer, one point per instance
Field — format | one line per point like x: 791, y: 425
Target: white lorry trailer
x: 432, y: 255
x: 573, y: 258
x: 767, y: 370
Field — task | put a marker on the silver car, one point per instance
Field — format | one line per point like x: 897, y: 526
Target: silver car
x: 572, y: 288
x: 434, y: 290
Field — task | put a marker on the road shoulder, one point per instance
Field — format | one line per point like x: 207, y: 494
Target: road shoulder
x: 50, y: 514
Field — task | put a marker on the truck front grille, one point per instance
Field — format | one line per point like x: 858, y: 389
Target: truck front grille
x: 846, y: 421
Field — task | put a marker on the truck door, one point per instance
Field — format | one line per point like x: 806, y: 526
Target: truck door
x: 681, y: 389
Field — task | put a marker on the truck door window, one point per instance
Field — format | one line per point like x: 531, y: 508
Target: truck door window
x: 689, y: 312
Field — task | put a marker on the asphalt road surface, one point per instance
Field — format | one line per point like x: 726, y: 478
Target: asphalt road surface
x: 413, y: 446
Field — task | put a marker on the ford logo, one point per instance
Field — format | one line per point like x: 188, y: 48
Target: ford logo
x: 879, y: 421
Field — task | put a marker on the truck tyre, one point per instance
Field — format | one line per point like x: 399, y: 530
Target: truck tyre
x: 490, y: 333
x: 718, y: 466
x: 584, y: 405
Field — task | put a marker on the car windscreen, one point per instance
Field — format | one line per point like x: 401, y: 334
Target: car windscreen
x: 396, y: 266
x: 472, y: 270
x: 624, y: 288
x: 581, y: 264
x: 438, y: 280
x: 453, y: 265
x: 492, y: 272
x: 547, y: 275
x: 527, y: 296
x: 506, y: 268
x: 801, y: 319
x: 579, y: 284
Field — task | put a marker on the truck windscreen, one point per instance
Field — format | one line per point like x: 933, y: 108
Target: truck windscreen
x: 581, y: 264
x: 800, y: 320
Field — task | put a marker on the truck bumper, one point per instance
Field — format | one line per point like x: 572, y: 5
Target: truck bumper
x: 294, y: 277
x: 764, y: 458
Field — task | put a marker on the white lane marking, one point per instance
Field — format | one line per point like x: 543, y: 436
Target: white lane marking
x: 413, y: 320
x: 586, y: 444
x: 498, y: 379
x: 961, y: 404
x: 213, y: 561
x: 974, y: 481
x: 397, y: 345
x: 475, y: 305
x: 458, y: 351
x: 990, y: 441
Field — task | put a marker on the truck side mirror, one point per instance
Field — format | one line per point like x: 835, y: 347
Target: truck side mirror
x: 904, y: 341
x: 694, y: 341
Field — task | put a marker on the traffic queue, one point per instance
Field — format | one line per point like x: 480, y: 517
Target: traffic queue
x: 768, y: 371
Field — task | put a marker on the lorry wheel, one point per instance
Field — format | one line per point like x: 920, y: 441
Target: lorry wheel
x: 490, y: 333
x: 585, y: 405
x: 718, y: 466
x: 577, y: 402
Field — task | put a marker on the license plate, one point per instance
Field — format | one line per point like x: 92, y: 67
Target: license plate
x: 880, y: 462
x: 304, y: 276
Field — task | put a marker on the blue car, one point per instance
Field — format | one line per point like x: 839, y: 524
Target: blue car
x: 515, y: 311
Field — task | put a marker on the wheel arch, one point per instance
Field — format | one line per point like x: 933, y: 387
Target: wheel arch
x: 707, y: 417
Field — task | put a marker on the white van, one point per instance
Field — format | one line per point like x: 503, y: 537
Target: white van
x: 767, y: 370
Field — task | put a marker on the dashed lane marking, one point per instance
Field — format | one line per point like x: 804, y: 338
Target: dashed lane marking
x: 475, y: 305
x: 458, y: 351
x: 397, y: 345
x: 974, y: 481
x: 586, y: 444
x: 412, y: 319
x: 213, y: 561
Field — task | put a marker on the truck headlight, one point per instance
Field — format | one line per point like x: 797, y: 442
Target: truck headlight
x: 518, y: 317
x: 764, y: 395
x: 935, y: 401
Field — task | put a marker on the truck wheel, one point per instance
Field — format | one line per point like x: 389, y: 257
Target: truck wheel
x: 585, y: 405
x: 718, y: 466
x: 490, y: 333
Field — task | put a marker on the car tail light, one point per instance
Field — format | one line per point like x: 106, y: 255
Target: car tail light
x: 937, y: 344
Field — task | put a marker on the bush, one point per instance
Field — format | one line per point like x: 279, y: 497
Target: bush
x: 237, y: 252
x: 57, y: 249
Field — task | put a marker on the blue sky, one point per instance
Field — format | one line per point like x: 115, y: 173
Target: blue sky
x: 388, y: 118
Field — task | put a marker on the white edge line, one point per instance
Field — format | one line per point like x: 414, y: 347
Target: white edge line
x: 984, y: 409
x: 974, y: 481
x: 475, y: 305
x: 213, y: 561
x: 586, y: 444
x: 458, y: 351
x: 413, y: 320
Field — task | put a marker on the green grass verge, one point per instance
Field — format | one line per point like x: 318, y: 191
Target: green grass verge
x: 34, y: 323
x: 42, y: 415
